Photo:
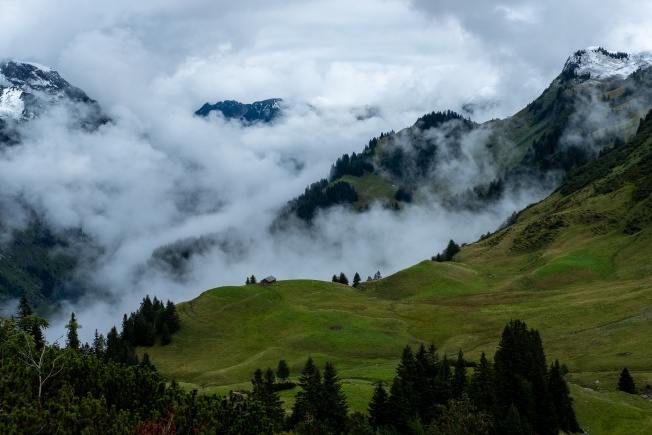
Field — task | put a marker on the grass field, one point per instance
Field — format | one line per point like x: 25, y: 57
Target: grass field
x: 567, y: 268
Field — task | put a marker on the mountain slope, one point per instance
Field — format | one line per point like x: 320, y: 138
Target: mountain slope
x: 572, y: 266
x: 36, y: 260
x: 594, y: 104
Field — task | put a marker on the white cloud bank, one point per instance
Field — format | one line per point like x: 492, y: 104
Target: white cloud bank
x: 158, y: 174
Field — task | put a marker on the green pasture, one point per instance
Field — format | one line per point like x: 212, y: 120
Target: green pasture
x: 566, y: 267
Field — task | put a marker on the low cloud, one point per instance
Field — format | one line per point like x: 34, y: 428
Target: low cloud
x: 157, y: 176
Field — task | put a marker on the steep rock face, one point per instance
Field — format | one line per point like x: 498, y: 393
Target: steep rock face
x: 26, y: 89
x: 265, y: 110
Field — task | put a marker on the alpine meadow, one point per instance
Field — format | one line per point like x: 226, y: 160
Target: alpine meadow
x: 393, y: 217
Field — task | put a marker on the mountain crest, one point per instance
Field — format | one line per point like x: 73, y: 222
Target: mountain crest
x: 597, y: 63
x: 265, y: 110
x: 26, y: 86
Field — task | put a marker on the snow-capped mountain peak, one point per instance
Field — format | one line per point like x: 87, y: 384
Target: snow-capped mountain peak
x: 597, y: 63
x: 27, y: 87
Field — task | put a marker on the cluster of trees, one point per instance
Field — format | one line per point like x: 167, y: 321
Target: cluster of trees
x: 447, y: 254
x: 354, y: 165
x: 517, y: 394
x: 151, y: 321
x: 436, y: 119
x: 251, y: 280
x: 320, y: 195
x: 617, y: 55
x: 46, y: 388
x: 480, y: 195
x: 342, y: 279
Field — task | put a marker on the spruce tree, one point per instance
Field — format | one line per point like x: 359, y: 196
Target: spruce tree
x: 171, y: 317
x: 30, y: 323
x: 283, y: 370
x: 272, y: 402
x: 514, y: 424
x: 332, y: 408
x: 450, y: 251
x: 379, y: 410
x: 99, y: 345
x: 626, y: 382
x: 356, y: 279
x: 561, y: 399
x: 147, y: 309
x: 481, y: 388
x: 113, y: 345
x: 459, y: 376
x: 72, y: 339
x: 305, y: 406
x: 166, y: 337
x: 399, y: 413
x: 343, y: 279
x: 521, y: 378
x: 442, y: 381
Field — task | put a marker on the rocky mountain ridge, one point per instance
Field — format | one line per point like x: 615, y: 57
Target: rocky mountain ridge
x: 265, y: 110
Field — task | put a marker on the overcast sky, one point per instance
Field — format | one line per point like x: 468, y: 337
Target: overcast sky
x: 158, y: 174
x: 414, y: 55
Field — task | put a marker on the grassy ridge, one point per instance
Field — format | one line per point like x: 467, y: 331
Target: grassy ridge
x: 573, y: 266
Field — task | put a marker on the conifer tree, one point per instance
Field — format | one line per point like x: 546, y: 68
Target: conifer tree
x: 561, y: 399
x: 72, y: 339
x: 459, y: 376
x: 272, y: 401
x: 343, y: 279
x: 30, y: 323
x: 172, y: 317
x: 399, y: 409
x: 305, y: 406
x: 283, y: 370
x: 147, y: 309
x: 113, y: 345
x: 166, y: 337
x: 442, y: 381
x: 521, y: 378
x: 332, y: 409
x: 481, y: 388
x: 626, y: 382
x: 514, y: 424
x: 379, y: 410
x: 356, y: 279
x: 99, y: 345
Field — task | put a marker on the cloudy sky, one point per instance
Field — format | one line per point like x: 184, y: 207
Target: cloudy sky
x: 159, y: 175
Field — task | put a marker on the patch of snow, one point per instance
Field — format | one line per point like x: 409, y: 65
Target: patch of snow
x: 35, y: 65
x: 599, y: 65
x: 11, y: 106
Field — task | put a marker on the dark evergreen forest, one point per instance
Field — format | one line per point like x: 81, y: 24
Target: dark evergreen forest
x: 103, y: 387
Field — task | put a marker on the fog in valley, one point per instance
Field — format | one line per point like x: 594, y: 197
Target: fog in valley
x: 169, y: 204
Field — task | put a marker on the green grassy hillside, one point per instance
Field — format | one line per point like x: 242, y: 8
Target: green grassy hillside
x: 576, y: 266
